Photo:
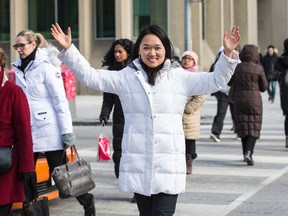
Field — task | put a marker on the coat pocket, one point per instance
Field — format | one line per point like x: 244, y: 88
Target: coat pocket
x: 42, y: 122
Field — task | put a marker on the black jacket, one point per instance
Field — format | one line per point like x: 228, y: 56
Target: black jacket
x: 282, y: 66
x: 111, y: 101
x: 268, y: 65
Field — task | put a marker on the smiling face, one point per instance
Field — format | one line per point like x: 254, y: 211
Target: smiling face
x: 152, y: 51
x: 120, y: 53
x: 24, y: 47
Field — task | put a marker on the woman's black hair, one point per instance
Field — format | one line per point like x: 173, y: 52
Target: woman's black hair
x: 109, y: 58
x: 160, y: 33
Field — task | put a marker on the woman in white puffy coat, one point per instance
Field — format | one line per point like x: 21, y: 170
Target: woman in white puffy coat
x: 38, y: 73
x: 153, y: 97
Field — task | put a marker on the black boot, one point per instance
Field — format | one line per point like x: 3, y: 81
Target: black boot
x: 87, y: 201
x: 248, y: 158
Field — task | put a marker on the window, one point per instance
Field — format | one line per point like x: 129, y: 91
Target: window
x: 44, y: 13
x: 149, y: 12
x: 4, y: 20
x: 105, y: 18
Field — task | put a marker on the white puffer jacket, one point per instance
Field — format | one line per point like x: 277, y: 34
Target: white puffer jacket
x: 153, y: 144
x: 50, y: 115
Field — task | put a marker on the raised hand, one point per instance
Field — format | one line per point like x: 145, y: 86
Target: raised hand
x: 231, y: 40
x: 63, y: 39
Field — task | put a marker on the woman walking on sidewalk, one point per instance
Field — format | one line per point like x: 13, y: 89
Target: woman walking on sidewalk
x: 249, y: 80
x: 38, y: 73
x: 191, y: 116
x: 153, y: 97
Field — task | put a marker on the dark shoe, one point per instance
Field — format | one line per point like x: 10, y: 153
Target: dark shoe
x: 189, y: 161
x: 286, y: 144
x: 87, y: 201
x: 248, y: 159
x: 133, y: 200
x: 214, y: 137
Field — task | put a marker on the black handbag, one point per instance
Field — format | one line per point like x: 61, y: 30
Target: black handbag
x: 73, y: 179
x: 37, y: 207
x: 5, y: 158
x: 33, y: 205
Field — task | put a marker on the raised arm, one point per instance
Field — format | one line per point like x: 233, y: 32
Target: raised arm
x: 231, y: 40
x: 63, y: 39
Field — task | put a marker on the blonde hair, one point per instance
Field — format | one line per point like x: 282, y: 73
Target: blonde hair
x: 31, y: 36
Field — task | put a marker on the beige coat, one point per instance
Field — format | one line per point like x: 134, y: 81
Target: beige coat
x: 191, y: 117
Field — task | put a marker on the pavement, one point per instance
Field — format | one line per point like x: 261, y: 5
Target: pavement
x: 220, y: 184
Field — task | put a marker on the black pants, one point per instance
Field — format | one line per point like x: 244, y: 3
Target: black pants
x: 191, y: 147
x: 286, y: 125
x: 156, y: 205
x: 5, y: 209
x: 222, y: 106
x: 248, y: 144
x: 54, y: 159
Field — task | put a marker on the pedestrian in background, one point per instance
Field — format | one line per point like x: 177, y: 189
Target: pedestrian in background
x: 38, y: 73
x: 191, y: 116
x: 153, y: 97
x: 15, y: 132
x: 268, y: 62
x: 117, y: 57
x: 281, y: 65
x: 249, y: 80
x: 224, y: 101
x: 222, y: 105
x: 175, y: 61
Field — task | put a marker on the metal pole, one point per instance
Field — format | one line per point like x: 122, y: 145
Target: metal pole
x: 56, y: 10
x: 188, y: 25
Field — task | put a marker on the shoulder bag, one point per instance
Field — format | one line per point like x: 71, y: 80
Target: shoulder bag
x: 73, y: 179
x: 5, y: 158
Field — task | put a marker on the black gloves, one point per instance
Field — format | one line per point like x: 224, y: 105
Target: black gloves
x: 103, y: 120
x: 68, y: 140
x: 29, y: 182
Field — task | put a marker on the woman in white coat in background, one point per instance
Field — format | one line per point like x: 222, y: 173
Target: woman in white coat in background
x: 153, y: 96
x: 38, y: 73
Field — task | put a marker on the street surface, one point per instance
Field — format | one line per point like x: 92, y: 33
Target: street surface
x: 221, y: 183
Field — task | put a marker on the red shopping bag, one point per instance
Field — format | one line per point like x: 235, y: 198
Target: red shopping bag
x: 104, y: 152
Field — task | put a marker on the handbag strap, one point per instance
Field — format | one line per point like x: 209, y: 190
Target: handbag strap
x: 72, y: 147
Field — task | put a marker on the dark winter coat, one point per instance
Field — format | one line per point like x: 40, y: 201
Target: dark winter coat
x: 15, y: 129
x: 268, y: 63
x: 249, y: 79
x: 111, y: 101
x: 282, y: 66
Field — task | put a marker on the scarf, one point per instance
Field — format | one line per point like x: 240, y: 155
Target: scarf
x: 25, y: 61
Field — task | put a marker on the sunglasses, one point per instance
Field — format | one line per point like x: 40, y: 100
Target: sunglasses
x: 20, y: 45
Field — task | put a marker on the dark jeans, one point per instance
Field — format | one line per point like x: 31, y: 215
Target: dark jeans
x: 156, y: 205
x: 54, y: 159
x: 5, y: 209
x: 222, y: 106
x: 191, y: 147
x: 248, y: 144
x: 286, y: 125
x: 272, y: 88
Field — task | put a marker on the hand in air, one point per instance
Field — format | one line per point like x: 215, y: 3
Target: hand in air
x: 64, y: 40
x: 231, y: 40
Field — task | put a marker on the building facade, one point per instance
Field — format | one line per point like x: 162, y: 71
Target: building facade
x: 190, y: 24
